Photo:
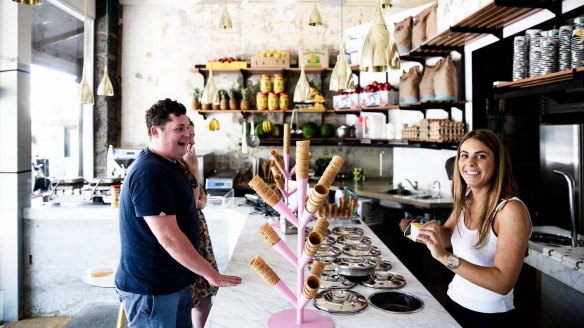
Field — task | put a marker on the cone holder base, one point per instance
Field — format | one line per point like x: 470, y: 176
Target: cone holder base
x: 312, y: 319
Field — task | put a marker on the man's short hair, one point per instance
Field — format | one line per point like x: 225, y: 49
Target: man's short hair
x: 159, y: 113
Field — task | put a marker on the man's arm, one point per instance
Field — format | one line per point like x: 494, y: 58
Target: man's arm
x: 176, y: 243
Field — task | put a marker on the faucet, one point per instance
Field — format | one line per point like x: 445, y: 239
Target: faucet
x: 439, y: 187
x: 571, y: 198
x: 414, y: 185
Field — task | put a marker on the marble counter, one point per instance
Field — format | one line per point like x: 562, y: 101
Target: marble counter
x: 253, y: 302
x: 567, y: 269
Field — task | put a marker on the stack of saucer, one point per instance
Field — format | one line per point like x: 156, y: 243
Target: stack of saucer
x: 565, y: 48
x: 520, y: 58
x: 549, y: 51
x: 578, y: 43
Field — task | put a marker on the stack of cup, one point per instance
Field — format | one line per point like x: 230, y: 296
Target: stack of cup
x: 578, y: 42
x: 565, y: 46
x: 317, y: 268
x: 302, y: 159
x: 321, y: 226
x: 535, y: 40
x: 331, y: 171
x: 520, y: 61
x: 311, y: 287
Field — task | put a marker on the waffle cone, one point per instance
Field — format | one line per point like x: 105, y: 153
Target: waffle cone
x: 311, y: 208
x: 273, y: 199
x: 321, y: 226
x: 279, y: 182
x: 286, y: 138
x: 303, y: 144
x: 312, y: 243
x: 277, y: 158
x: 319, y: 192
x: 317, y: 268
x: 311, y: 286
x: 264, y: 270
x: 270, y: 236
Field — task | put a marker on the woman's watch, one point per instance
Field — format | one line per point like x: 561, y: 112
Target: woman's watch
x: 453, y: 261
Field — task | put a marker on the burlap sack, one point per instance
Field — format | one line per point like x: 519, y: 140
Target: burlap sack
x: 409, y: 92
x: 403, y: 35
x: 419, y: 27
x: 446, y: 81
x: 432, y: 21
x: 427, y: 82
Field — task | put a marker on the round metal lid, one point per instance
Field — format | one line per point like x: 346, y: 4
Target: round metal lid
x: 326, y: 260
x: 340, y: 301
x: 347, y: 231
x: 308, y: 230
x: 385, y: 280
x: 331, y: 280
x: 328, y: 240
x: 327, y: 250
x: 383, y: 265
x: 361, y: 250
x: 353, y: 239
x: 355, y: 266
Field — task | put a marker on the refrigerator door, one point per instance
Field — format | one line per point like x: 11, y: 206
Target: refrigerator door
x: 561, y: 149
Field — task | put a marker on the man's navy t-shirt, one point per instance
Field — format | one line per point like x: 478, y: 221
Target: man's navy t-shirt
x: 154, y: 186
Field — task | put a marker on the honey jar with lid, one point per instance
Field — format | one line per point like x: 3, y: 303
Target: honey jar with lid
x: 261, y: 101
x: 278, y: 83
x: 283, y: 101
x: 265, y: 84
x: 272, y: 101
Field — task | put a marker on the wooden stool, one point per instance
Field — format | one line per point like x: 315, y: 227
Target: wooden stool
x: 121, y: 317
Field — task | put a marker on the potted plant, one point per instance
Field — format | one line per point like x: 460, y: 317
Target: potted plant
x: 196, y: 103
x: 244, y: 105
x: 223, y: 102
x: 232, y: 101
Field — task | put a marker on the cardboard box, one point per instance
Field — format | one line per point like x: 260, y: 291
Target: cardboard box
x: 348, y: 101
x: 270, y: 62
x: 314, y: 58
x: 378, y: 99
x: 235, y: 64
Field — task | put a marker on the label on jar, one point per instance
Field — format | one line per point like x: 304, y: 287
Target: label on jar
x: 261, y: 101
x: 272, y: 101
x: 116, y: 196
x: 283, y: 101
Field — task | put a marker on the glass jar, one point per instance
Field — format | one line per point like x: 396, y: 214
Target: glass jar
x: 272, y: 101
x: 283, y: 101
x: 265, y: 84
x: 261, y: 101
x: 278, y: 83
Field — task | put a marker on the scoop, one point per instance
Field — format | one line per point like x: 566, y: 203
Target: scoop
x: 253, y: 140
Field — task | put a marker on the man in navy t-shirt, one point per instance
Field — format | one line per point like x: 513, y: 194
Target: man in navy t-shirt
x: 159, y: 228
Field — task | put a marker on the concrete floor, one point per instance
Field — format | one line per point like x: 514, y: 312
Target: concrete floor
x: 43, y: 322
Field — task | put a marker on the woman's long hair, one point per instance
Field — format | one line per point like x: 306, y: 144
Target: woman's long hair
x: 502, y: 186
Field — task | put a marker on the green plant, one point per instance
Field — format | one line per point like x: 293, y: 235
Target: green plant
x: 245, y: 92
x: 222, y: 94
x: 400, y: 188
x: 197, y: 93
x: 231, y: 93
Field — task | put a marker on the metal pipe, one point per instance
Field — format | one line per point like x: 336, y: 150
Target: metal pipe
x: 571, y: 199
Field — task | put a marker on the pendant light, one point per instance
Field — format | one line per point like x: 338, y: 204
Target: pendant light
x: 386, y: 4
x: 29, y: 2
x: 302, y: 90
x: 210, y: 93
x: 342, y: 75
x: 379, y: 52
x: 85, y: 92
x: 315, y: 19
x: 225, y: 21
x: 105, y: 87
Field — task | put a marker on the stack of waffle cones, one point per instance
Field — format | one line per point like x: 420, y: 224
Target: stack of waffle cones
x: 264, y: 190
x: 286, y: 138
x: 264, y: 270
x: 334, y: 167
x: 311, y: 287
x: 321, y: 226
x: 302, y: 159
x: 317, y: 198
x: 345, y: 211
x: 312, y: 243
x: 317, y: 268
x: 278, y: 179
x: 270, y: 236
x: 277, y: 158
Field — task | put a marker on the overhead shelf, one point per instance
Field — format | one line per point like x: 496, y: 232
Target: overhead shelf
x: 267, y: 70
x: 362, y: 142
x: 553, y: 82
x: 490, y: 19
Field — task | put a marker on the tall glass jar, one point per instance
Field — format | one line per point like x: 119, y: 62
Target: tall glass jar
x: 272, y: 101
x: 261, y: 101
x: 265, y: 84
x: 283, y: 101
x: 278, y: 83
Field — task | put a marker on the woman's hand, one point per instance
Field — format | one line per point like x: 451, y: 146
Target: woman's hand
x: 430, y: 236
x: 191, y: 158
x: 223, y: 280
x: 404, y: 223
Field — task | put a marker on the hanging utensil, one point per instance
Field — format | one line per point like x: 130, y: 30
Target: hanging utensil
x: 244, y: 138
x: 295, y: 115
x: 252, y: 140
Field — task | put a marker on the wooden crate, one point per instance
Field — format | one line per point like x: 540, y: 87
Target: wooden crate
x: 270, y: 62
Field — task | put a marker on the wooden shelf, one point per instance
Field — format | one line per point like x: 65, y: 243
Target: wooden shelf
x: 553, y: 82
x: 361, y: 142
x: 258, y: 71
x: 490, y: 19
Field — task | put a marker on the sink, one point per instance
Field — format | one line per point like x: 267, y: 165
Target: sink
x: 552, y: 239
x: 427, y: 196
x: 404, y: 192
x: 396, y: 302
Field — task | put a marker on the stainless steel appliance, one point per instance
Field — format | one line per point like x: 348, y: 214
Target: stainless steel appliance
x: 220, y: 187
x: 561, y: 149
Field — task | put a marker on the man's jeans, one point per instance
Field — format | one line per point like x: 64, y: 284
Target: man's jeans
x: 164, y: 311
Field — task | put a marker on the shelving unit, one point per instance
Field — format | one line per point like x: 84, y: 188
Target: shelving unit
x: 363, y: 142
x: 548, y: 83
